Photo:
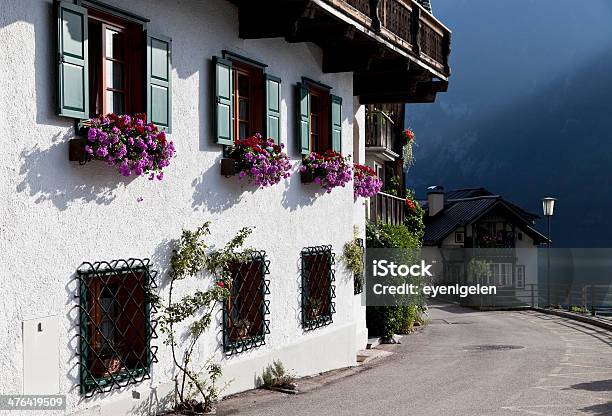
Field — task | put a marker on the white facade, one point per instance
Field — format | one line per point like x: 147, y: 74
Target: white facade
x: 56, y: 214
x: 526, y: 258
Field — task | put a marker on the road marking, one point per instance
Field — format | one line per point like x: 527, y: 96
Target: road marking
x: 582, y: 365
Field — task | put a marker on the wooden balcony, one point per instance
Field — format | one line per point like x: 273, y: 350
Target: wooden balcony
x: 380, y: 129
x: 405, y: 24
x: 380, y: 134
x: 387, y: 208
x: 397, y: 50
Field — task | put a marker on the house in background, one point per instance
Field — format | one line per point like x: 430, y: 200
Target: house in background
x: 475, y: 225
x: 83, y: 244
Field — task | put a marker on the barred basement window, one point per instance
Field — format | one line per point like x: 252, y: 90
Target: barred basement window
x: 244, y: 316
x: 318, y: 290
x: 358, y: 278
x: 115, y: 324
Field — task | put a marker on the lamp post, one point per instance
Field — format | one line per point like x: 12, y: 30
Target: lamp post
x: 548, y: 206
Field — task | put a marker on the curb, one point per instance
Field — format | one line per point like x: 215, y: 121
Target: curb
x: 581, y: 318
x: 576, y: 317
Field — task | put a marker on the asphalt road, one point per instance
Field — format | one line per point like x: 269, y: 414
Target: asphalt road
x: 547, y: 366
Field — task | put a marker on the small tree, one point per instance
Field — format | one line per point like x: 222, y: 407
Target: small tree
x: 193, y: 258
x: 478, y: 271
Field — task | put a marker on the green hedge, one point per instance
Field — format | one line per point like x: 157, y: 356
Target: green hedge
x: 384, y: 321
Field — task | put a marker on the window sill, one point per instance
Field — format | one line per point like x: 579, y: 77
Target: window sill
x: 242, y: 344
x: 92, y: 382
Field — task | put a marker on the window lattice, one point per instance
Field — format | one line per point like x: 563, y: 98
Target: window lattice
x: 115, y: 324
x: 318, y: 290
x: 244, y: 316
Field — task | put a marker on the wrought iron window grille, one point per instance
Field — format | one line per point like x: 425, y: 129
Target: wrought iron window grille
x: 318, y: 289
x: 244, y: 313
x: 359, y: 278
x: 115, y: 324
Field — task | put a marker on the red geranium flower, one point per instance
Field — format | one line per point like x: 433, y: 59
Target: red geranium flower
x: 221, y: 284
x: 410, y: 204
x: 409, y: 134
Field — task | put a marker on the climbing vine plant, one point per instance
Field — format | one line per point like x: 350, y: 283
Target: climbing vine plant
x: 196, y: 390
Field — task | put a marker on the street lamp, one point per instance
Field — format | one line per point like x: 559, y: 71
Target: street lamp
x: 548, y: 206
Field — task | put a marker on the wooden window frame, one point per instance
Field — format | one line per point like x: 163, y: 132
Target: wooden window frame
x: 318, y: 276
x: 255, y: 97
x: 107, y: 364
x: 247, y: 301
x: 320, y: 140
x: 133, y: 61
x: 460, y: 237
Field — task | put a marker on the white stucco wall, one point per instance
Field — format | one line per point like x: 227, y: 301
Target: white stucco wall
x: 55, y: 214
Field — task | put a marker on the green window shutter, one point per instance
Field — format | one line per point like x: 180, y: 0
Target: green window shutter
x: 73, y: 61
x: 273, y: 108
x: 222, y: 102
x: 303, y: 115
x: 336, y: 123
x: 159, y: 74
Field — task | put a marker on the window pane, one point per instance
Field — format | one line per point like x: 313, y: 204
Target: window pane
x: 114, y: 44
x: 114, y: 75
x: 314, y: 104
x: 314, y: 124
x: 114, y: 102
x: 243, y: 85
x: 243, y: 109
x: 243, y: 128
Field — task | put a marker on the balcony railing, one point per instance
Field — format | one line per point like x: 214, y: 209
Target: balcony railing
x: 379, y: 129
x: 387, y: 208
x: 407, y: 25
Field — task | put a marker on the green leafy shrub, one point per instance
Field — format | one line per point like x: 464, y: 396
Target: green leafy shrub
x: 352, y: 257
x: 386, y: 321
x: 196, y: 388
x: 578, y: 309
x: 414, y: 216
x: 275, y: 376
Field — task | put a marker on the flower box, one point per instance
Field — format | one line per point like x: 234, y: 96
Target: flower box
x: 128, y: 143
x: 229, y: 166
x: 307, y: 176
x: 76, y: 150
x: 365, y: 182
x: 329, y: 170
x: 260, y: 160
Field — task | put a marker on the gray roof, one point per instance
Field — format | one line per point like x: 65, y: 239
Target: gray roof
x: 464, y: 206
x: 466, y: 193
x: 459, y: 213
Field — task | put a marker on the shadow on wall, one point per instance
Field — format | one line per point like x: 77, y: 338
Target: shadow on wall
x: 297, y: 194
x: 95, y: 182
x: 72, y: 318
x: 216, y: 193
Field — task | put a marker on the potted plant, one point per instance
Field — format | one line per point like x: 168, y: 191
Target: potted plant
x: 242, y: 327
x: 365, y: 182
x: 314, y: 308
x: 260, y: 160
x: 328, y: 170
x: 407, y: 153
x: 130, y: 144
x: 109, y: 362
